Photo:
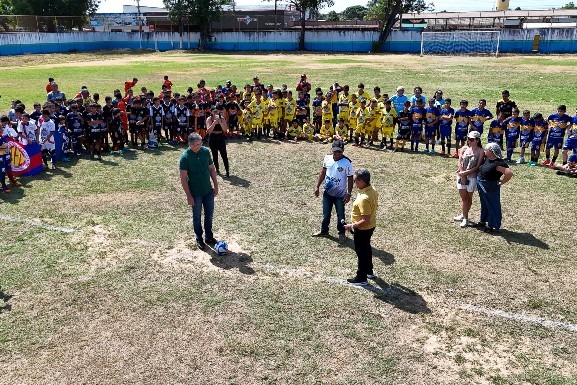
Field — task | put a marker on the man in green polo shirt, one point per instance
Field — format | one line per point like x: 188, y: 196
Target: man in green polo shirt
x: 196, y: 171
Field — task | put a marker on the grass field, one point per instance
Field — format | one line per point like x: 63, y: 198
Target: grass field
x: 126, y: 298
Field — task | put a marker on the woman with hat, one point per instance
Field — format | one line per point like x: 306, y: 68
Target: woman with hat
x: 470, y: 159
x: 492, y: 174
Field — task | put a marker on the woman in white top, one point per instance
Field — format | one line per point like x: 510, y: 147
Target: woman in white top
x: 470, y: 159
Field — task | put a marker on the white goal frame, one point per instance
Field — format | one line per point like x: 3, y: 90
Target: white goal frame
x: 460, y: 39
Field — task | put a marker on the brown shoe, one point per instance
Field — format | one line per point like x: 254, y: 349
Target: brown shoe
x: 320, y: 234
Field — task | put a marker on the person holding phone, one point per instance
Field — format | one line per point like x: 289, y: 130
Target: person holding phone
x: 217, y: 130
x: 471, y: 156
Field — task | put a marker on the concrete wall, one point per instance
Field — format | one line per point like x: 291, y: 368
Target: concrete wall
x: 562, y: 40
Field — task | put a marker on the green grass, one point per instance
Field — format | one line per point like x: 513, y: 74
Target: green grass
x: 127, y: 299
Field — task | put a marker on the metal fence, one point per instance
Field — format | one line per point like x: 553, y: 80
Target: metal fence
x: 30, y: 23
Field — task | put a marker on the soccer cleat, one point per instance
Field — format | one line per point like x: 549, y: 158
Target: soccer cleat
x: 425, y: 151
x: 6, y: 190
x: 464, y: 223
x: 546, y: 162
x: 456, y: 155
x: 320, y: 234
x: 433, y: 151
x: 210, y: 241
x: 532, y: 164
x: 521, y: 160
x: 552, y: 166
x: 200, y: 244
x: 458, y: 218
x: 357, y: 281
x: 371, y: 275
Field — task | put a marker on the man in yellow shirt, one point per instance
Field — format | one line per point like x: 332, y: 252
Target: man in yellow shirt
x: 363, y: 223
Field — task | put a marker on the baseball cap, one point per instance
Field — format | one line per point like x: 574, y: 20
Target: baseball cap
x: 338, y: 146
x: 474, y: 135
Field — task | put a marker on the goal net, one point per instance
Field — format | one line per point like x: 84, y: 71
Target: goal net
x: 460, y: 43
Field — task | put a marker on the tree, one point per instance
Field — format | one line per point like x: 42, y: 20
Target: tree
x: 570, y: 5
x: 200, y: 12
x: 332, y: 16
x: 386, y: 11
x: 45, y: 10
x: 356, y: 12
x: 301, y: 6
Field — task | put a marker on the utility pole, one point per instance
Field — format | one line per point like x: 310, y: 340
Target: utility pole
x: 139, y: 22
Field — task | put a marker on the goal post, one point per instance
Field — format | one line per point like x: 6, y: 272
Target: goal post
x: 460, y: 43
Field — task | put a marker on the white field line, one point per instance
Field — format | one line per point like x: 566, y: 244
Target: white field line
x: 520, y: 317
x: 36, y: 223
x: 477, y: 309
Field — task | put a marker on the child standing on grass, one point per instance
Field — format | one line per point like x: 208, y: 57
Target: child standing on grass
x: 512, y: 132
x: 404, y: 119
x: 388, y: 124
x: 65, y: 138
x: 571, y: 142
x: 354, y: 106
x: 526, y: 134
x: 479, y: 116
x: 558, y: 124
x: 539, y: 135
x: 46, y: 139
x: 431, y: 123
x: 362, y: 117
x: 462, y: 120
x: 496, y: 130
x: 418, y: 115
x: 445, y: 126
x: 167, y: 83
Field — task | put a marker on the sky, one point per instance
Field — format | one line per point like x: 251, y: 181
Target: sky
x: 115, y: 6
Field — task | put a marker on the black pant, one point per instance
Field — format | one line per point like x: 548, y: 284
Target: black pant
x: 217, y: 143
x: 362, y: 239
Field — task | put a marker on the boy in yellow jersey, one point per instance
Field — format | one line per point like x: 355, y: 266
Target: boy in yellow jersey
x: 388, y: 124
x: 341, y: 131
x: 343, y: 104
x: 326, y: 133
x: 376, y: 117
x: 256, y: 108
x: 361, y: 93
x: 362, y: 117
x: 294, y: 131
x: 290, y: 107
x: 246, y: 120
x: 378, y: 96
x: 273, y: 115
x: 354, y: 106
x: 327, y: 109
x: 308, y: 129
x: 266, y: 127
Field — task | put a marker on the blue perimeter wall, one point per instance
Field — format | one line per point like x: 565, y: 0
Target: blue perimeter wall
x: 512, y: 41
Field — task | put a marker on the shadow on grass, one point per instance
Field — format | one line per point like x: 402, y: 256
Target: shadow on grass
x: 232, y: 260
x: 234, y: 180
x: 5, y: 298
x: 399, y: 296
x: 522, y: 238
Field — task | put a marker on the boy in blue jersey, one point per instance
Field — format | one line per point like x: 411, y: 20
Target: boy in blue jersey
x: 571, y: 142
x: 496, y: 130
x: 418, y: 115
x: 431, y: 125
x: 539, y: 135
x: 512, y: 132
x: 445, y: 126
x: 558, y: 124
x: 480, y: 116
x: 462, y: 120
x: 526, y: 134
